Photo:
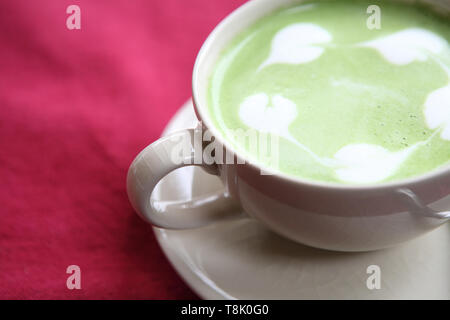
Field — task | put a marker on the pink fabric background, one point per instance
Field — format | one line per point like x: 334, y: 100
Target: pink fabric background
x: 75, y: 108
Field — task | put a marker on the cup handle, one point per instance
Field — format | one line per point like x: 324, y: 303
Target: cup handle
x: 154, y: 163
x: 417, y: 207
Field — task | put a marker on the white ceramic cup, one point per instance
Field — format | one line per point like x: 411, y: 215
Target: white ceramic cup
x: 323, y: 215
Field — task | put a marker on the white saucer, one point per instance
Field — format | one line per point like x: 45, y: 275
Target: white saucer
x: 240, y: 259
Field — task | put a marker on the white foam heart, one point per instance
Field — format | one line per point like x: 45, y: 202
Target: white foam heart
x: 408, y: 45
x: 297, y: 43
x: 256, y: 113
x: 366, y: 163
x: 437, y: 111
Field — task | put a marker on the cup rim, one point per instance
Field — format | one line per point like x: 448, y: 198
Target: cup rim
x: 204, y: 117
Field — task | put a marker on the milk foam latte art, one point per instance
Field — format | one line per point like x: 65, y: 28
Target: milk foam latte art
x: 349, y: 104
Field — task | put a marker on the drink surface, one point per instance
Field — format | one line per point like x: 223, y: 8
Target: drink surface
x: 348, y: 103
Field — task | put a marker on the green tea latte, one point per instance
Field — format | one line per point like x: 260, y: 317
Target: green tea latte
x: 349, y: 103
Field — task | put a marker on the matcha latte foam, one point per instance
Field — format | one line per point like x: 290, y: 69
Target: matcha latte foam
x: 349, y: 104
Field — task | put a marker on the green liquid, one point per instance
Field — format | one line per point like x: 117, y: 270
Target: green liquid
x: 349, y: 95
